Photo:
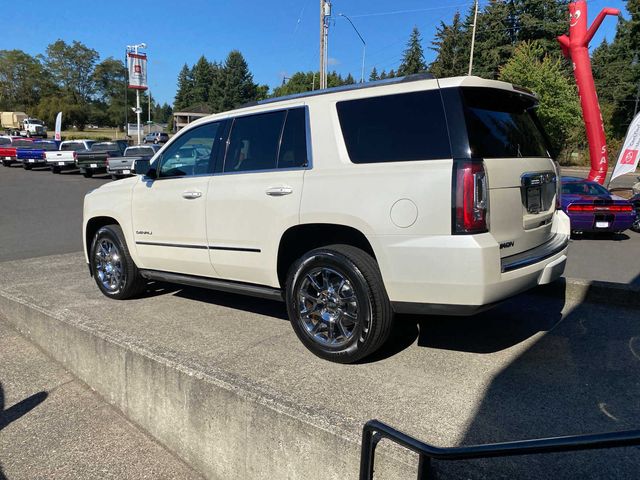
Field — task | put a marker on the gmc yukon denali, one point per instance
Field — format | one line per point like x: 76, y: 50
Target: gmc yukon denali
x: 411, y: 195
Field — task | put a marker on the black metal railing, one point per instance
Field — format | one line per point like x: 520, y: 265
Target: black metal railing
x: 374, y: 431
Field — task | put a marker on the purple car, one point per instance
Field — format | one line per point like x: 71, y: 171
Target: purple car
x: 592, y: 208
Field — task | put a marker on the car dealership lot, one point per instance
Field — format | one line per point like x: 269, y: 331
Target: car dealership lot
x: 232, y: 368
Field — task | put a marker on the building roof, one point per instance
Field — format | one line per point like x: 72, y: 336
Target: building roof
x: 200, y: 108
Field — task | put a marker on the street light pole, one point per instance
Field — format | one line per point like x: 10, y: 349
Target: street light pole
x: 364, y: 45
x: 473, y: 37
x: 135, y: 48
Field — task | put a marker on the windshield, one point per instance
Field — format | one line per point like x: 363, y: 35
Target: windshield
x: 503, y: 124
x: 583, y: 188
x: 35, y: 121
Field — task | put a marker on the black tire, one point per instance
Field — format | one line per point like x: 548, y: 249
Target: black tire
x: 114, y: 177
x: 87, y: 174
x: 130, y: 282
x: 26, y: 166
x: 55, y: 169
x: 5, y: 163
x: 364, y: 281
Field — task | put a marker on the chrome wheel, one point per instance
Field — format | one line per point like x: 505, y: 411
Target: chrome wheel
x: 328, y: 307
x: 108, y: 265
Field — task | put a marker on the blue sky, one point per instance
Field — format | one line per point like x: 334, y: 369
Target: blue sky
x: 277, y: 38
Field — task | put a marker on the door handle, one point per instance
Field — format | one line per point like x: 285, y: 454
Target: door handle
x: 279, y: 191
x: 191, y: 194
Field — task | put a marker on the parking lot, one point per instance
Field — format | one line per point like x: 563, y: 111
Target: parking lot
x: 535, y: 366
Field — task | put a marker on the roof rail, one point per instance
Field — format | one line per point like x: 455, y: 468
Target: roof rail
x: 343, y: 88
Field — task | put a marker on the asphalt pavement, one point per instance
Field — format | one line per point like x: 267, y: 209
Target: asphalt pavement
x: 41, y: 213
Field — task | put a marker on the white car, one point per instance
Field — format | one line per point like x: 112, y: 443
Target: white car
x: 410, y: 195
x: 65, y: 157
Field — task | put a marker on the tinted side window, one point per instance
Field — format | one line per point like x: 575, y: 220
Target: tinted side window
x: 395, y: 128
x: 191, y: 153
x: 293, y: 148
x: 254, y: 142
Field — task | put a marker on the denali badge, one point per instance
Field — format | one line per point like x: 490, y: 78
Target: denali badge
x: 507, y: 244
x: 143, y: 232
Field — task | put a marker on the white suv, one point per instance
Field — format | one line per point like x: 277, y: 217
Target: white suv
x: 409, y: 195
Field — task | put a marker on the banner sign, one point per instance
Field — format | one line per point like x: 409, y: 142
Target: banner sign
x: 58, y: 137
x: 137, y: 66
x: 630, y: 153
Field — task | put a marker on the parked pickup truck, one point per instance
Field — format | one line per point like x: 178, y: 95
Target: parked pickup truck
x: 65, y: 157
x: 35, y: 155
x: 120, y: 167
x: 94, y: 160
x: 9, y: 153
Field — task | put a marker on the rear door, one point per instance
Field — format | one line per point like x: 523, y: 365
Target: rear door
x: 257, y: 195
x: 504, y: 131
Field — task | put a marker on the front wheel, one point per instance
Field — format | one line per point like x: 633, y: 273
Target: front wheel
x: 337, y: 303
x: 111, y: 264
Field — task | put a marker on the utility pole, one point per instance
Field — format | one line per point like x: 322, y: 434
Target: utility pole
x: 325, y: 13
x: 149, y: 112
x: 473, y: 37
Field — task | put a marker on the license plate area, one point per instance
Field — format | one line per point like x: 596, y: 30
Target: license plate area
x: 534, y: 200
x: 94, y: 165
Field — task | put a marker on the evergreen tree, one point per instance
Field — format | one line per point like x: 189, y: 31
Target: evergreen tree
x: 413, y: 59
x: 235, y: 85
x: 374, y: 75
x: 495, y: 38
x: 452, y: 47
x: 202, y: 78
x: 541, y: 20
x: 392, y: 73
x: 184, y: 95
x: 349, y: 80
x: 383, y: 75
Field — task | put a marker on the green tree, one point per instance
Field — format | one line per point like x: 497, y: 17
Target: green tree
x: 109, y: 79
x: 184, y: 95
x: 202, y: 74
x: 374, y: 75
x: 541, y: 20
x: 71, y: 67
x: 235, y: 85
x: 559, y: 109
x: 22, y: 81
x: 451, y: 45
x: 383, y: 75
x: 413, y: 58
x: 495, y: 38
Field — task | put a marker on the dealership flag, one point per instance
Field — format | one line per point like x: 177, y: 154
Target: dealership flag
x: 630, y: 153
x: 137, y: 66
x: 58, y: 127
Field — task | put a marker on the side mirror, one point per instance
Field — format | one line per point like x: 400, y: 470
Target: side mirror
x: 142, y: 166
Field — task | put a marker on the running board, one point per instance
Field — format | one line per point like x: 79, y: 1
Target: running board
x: 260, y: 291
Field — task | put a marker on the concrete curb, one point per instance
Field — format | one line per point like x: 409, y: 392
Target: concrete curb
x: 593, y: 291
x: 218, y: 424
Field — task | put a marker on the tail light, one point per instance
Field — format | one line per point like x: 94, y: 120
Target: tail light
x: 75, y: 157
x: 558, y: 187
x: 470, y: 198
x: 578, y: 208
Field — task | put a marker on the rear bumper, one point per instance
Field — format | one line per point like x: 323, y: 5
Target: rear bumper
x: 462, y: 275
x: 587, y: 223
x: 62, y: 165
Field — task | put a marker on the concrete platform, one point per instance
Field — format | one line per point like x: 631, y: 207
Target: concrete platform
x: 223, y: 382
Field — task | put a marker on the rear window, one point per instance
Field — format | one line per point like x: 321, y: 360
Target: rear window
x: 395, y: 128
x: 136, y: 151
x: 47, y: 146
x: 104, y: 147
x: 503, y: 124
x: 72, y: 146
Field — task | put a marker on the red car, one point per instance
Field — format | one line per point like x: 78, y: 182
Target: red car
x: 8, y: 153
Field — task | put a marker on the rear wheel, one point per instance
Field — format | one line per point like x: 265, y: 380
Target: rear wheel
x: 26, y: 166
x: 337, y: 303
x: 5, y: 163
x: 111, y: 264
x: 87, y: 174
x: 55, y: 169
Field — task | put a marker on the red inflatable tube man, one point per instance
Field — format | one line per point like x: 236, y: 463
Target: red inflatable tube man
x: 576, y: 47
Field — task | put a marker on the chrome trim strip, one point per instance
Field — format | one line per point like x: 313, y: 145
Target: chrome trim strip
x: 523, y: 259
x: 201, y: 247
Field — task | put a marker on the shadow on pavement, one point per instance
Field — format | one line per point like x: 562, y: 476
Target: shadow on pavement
x: 583, y: 376
x: 616, y: 237
x: 19, y: 409
x: 16, y: 411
